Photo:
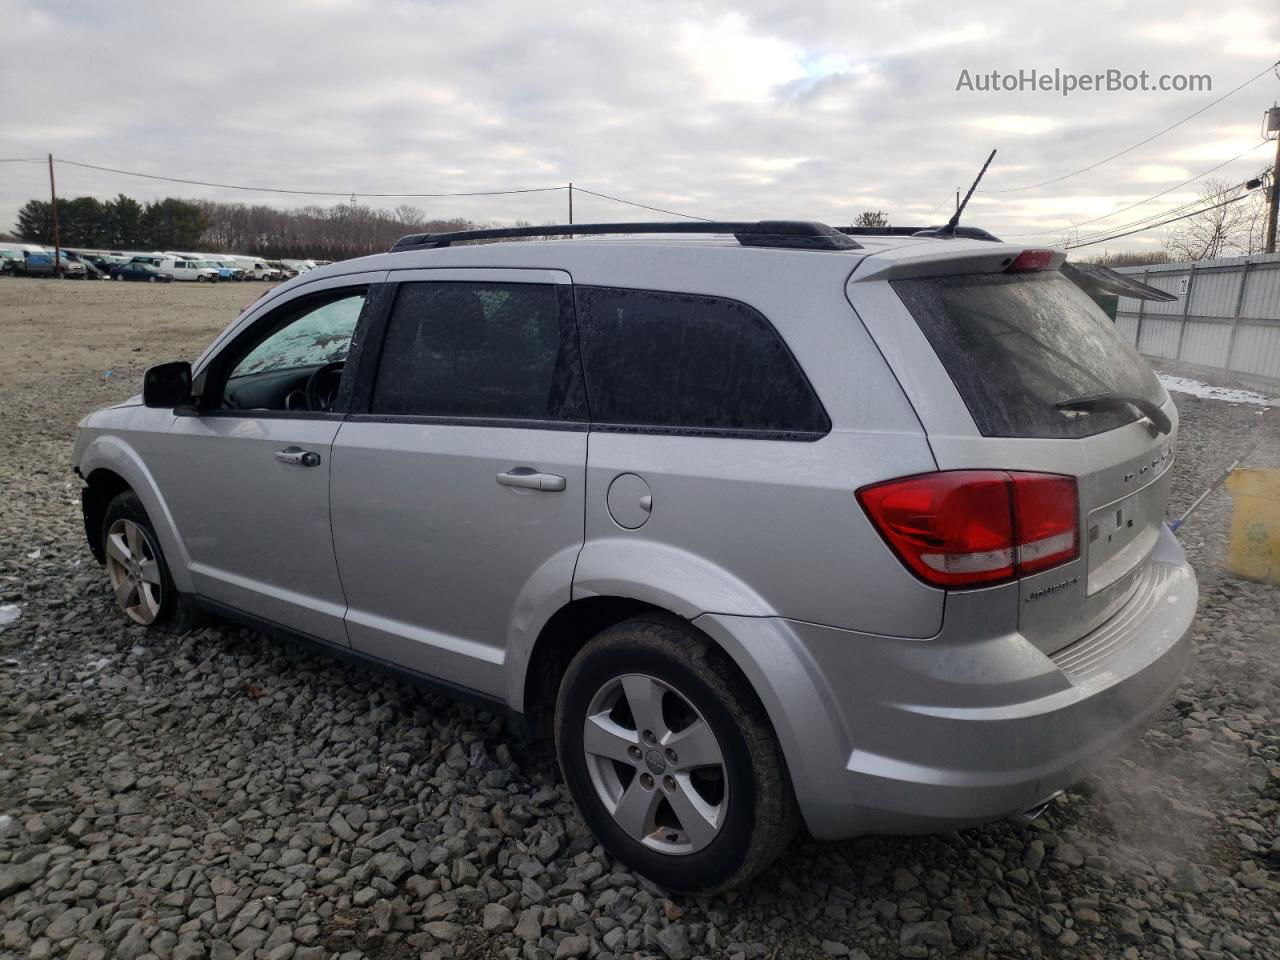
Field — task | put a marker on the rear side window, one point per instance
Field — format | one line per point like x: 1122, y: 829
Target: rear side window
x: 479, y: 350
x: 675, y: 362
x: 1017, y: 345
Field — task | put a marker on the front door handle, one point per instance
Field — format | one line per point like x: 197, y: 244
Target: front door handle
x: 304, y: 458
x: 529, y: 479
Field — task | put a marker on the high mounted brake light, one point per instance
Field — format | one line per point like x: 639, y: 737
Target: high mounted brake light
x: 972, y: 528
x: 1029, y: 261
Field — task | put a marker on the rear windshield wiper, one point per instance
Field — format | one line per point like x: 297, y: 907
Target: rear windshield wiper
x: 1113, y: 401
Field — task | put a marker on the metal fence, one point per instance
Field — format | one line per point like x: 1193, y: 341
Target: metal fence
x: 1226, y: 319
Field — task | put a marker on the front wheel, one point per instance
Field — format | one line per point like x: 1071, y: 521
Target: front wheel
x: 137, y: 569
x: 671, y: 759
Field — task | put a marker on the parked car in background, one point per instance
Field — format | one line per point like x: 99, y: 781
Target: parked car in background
x: 224, y: 272
x: 230, y: 269
x: 772, y: 526
x: 9, y: 259
x: 138, y: 271
x: 109, y: 261
x: 181, y: 268
x: 283, y: 272
x: 91, y: 268
x: 40, y: 264
x: 255, y: 268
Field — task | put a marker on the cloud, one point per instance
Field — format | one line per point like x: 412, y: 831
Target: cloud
x: 820, y: 109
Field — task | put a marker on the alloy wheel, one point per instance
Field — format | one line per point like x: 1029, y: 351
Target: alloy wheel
x: 655, y: 764
x: 134, y: 568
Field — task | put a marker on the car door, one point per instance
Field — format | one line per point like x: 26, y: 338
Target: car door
x: 458, y: 478
x: 247, y: 473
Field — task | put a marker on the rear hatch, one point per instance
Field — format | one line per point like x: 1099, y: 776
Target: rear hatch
x: 1017, y: 349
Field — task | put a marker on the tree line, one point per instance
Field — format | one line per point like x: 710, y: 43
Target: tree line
x: 338, y: 232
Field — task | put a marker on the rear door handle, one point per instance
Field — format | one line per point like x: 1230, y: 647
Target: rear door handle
x: 305, y: 458
x: 529, y: 479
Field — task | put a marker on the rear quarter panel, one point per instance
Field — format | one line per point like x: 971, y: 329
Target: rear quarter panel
x: 765, y: 527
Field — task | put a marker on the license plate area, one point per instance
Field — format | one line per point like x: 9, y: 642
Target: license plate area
x: 1121, y: 534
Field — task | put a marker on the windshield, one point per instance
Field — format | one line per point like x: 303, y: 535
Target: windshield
x: 1018, y: 345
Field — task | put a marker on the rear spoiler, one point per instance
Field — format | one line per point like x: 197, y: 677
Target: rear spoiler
x: 1094, y: 280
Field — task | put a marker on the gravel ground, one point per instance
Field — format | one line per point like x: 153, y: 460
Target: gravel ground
x: 226, y: 795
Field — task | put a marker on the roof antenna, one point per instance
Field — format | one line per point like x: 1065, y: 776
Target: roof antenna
x: 948, y: 231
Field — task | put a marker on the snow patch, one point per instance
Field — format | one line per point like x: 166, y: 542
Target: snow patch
x: 1198, y: 388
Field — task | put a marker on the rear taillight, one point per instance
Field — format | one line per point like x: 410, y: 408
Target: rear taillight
x: 969, y: 528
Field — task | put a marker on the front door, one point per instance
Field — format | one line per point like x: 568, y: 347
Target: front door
x: 249, y: 475
x: 458, y: 491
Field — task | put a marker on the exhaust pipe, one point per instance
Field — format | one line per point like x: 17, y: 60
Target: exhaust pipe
x: 1031, y: 814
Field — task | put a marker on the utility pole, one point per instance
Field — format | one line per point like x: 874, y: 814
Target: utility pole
x: 1272, y: 127
x: 1274, y: 204
x: 53, y: 205
x: 571, y: 201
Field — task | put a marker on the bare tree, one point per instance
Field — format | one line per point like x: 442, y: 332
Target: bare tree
x: 410, y: 216
x: 1129, y: 258
x: 871, y: 218
x: 1221, y: 229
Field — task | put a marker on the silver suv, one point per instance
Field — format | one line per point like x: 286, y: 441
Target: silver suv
x: 771, y: 526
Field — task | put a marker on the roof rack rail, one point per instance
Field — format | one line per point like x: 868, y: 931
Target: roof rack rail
x: 972, y: 233
x: 792, y: 234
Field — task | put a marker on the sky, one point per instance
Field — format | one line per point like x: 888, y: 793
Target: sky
x: 804, y: 110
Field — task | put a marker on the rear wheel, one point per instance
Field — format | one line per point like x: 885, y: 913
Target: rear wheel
x: 137, y: 570
x: 671, y: 759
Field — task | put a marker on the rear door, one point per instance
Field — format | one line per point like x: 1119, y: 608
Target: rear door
x: 458, y: 482
x: 987, y: 358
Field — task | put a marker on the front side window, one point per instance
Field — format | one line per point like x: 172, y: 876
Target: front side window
x: 294, y: 358
x: 319, y: 336
x: 675, y: 361
x: 478, y: 350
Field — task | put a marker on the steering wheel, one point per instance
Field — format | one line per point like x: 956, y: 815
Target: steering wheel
x: 322, y: 386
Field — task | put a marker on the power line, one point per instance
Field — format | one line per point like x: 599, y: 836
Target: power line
x: 348, y: 193
x: 19, y: 160
x: 643, y: 206
x: 307, y: 193
x: 1089, y: 235
x: 1090, y: 243
x: 1154, y: 136
x: 1154, y: 196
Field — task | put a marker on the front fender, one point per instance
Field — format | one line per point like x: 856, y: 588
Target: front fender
x: 113, y: 453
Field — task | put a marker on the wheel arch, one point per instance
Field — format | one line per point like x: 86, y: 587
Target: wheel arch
x: 561, y: 637
x: 110, y: 466
x: 101, y: 487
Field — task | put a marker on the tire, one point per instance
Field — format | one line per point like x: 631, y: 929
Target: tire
x: 152, y: 280
x: 694, y: 829
x: 150, y: 601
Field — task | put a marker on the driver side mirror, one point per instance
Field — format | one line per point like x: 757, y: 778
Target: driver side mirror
x: 167, y: 385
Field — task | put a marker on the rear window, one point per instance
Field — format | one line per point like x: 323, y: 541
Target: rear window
x: 674, y: 362
x: 1017, y: 345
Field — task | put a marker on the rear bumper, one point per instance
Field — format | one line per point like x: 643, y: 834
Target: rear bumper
x: 886, y: 735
